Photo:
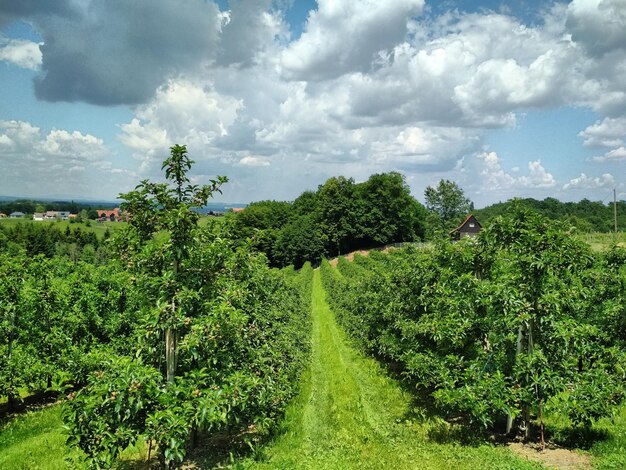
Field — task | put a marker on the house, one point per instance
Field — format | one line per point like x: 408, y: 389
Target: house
x: 51, y: 215
x: 469, y: 228
x: 3, y: 215
x: 17, y: 215
x: 112, y: 215
x: 39, y: 216
x: 237, y: 209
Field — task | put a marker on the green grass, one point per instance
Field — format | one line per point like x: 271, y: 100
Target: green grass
x: 602, y: 241
x: 350, y: 414
x: 34, y: 441
x: 605, y: 440
x: 96, y: 227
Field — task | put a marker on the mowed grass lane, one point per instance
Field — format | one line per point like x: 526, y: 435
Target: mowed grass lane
x: 350, y: 414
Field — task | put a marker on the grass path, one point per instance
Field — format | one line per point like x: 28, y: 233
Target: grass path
x: 349, y: 414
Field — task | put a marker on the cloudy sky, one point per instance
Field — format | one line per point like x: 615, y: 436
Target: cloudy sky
x: 524, y: 98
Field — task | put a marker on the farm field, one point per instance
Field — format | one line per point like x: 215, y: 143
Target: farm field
x: 603, y: 241
x: 462, y: 355
x: 99, y: 228
x: 349, y: 414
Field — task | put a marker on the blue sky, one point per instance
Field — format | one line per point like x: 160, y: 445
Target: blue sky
x: 507, y: 98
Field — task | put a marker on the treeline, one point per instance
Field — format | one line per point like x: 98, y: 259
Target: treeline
x: 341, y: 216
x: 585, y: 215
x: 32, y: 239
x: 30, y: 206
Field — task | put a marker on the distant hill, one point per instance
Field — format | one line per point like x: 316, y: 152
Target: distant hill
x: 27, y: 205
x: 220, y: 207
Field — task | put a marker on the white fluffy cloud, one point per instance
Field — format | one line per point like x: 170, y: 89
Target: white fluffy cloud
x: 23, y: 53
x: 181, y: 112
x: 495, y: 178
x: 55, y: 163
x: 368, y: 86
x: 608, y: 133
x: 377, y: 86
x: 583, y: 181
x: 346, y: 35
x: 617, y: 154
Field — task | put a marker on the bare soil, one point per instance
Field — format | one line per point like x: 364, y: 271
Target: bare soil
x: 553, y: 456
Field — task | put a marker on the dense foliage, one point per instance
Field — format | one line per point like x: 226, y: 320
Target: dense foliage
x: 57, y: 319
x: 448, y: 202
x: 97, y: 326
x: 341, y: 216
x: 497, y: 330
x: 46, y: 239
x: 585, y: 215
x: 219, y: 343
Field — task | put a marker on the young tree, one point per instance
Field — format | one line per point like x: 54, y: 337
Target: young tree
x: 169, y: 208
x: 447, y: 200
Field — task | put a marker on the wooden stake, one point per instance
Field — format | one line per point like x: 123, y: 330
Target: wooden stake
x: 615, y: 208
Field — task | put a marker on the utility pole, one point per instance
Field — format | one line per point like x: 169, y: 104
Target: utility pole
x: 615, y: 209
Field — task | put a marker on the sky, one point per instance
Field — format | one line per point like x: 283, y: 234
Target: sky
x: 508, y: 99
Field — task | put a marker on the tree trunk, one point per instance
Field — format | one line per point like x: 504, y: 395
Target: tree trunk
x: 10, y: 396
x: 529, y: 350
x: 171, y: 340
x: 518, y: 351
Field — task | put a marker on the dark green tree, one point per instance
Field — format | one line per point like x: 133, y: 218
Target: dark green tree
x: 336, y: 213
x: 299, y: 241
x: 389, y: 213
x: 448, y: 201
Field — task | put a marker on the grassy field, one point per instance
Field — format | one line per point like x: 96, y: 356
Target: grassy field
x: 603, y: 241
x: 36, y: 441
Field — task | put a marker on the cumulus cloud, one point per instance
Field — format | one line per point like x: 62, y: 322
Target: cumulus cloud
x: 598, y: 25
x: 583, y: 181
x: 181, y: 112
x: 538, y: 177
x: 118, y: 52
x: 20, y: 52
x: 37, y: 163
x: 345, y: 35
x: 609, y: 133
x: 23, y: 139
x: 617, y: 154
x: 495, y: 178
x: 368, y: 86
